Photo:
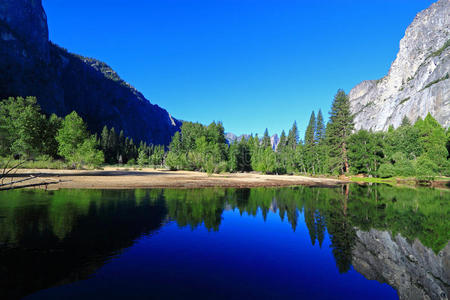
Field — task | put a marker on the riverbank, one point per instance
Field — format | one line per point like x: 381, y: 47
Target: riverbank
x: 125, y: 178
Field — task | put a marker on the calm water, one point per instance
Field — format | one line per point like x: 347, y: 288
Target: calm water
x: 351, y: 242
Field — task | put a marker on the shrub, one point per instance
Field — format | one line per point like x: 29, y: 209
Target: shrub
x: 426, y: 169
x: 386, y: 170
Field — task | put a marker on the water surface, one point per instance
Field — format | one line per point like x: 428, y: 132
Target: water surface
x: 351, y: 242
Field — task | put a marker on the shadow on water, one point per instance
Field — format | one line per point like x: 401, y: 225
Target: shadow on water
x: 395, y: 235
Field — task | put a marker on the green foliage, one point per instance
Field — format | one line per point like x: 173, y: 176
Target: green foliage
x: 426, y: 168
x: 440, y: 50
x: 292, y: 139
x: 447, y: 76
x: 365, y: 152
x: 116, y: 147
x: 87, y: 153
x: 334, y: 148
x: 432, y: 140
x: 24, y: 130
x: 386, y: 170
x: 404, y: 100
x: 142, y: 158
x: 198, y: 147
x: 239, y: 157
x: 338, y: 131
x: 266, y: 139
x: 75, y: 143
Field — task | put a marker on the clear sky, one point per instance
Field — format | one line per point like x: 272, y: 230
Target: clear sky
x: 251, y: 64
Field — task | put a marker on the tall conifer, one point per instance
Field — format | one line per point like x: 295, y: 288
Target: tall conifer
x: 339, y: 129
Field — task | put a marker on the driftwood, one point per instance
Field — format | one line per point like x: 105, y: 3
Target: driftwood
x: 11, y: 172
x: 17, y: 181
x: 28, y: 185
x: 6, y: 171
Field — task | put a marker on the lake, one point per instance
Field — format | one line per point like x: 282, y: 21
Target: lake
x: 351, y: 242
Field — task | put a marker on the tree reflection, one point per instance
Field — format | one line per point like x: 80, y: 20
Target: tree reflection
x: 71, y: 233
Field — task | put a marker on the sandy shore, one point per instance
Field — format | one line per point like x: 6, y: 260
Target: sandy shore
x: 123, y: 178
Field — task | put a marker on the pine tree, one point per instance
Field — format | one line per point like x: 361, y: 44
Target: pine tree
x: 282, y: 143
x: 321, y: 151
x: 310, y: 141
x: 292, y: 139
x: 266, y: 139
x: 113, y: 146
x: 320, y: 128
x: 310, y: 131
x: 405, y: 122
x: 338, y: 131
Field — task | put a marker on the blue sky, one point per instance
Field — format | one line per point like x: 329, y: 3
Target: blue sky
x: 251, y: 64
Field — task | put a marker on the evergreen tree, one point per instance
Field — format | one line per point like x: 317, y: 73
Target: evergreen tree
x: 365, y: 152
x: 321, y: 149
x: 282, y: 154
x: 338, y: 131
x: 310, y: 141
x: 310, y: 136
x: 405, y: 122
x: 320, y: 128
x: 282, y: 143
x: 292, y: 139
x: 433, y: 141
x: 266, y: 139
x: 113, y: 143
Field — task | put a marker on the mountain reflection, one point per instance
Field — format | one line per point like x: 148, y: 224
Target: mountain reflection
x: 67, y: 235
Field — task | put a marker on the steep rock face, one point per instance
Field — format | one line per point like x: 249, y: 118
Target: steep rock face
x: 418, y: 81
x: 274, y: 140
x: 414, y: 270
x: 231, y: 137
x: 30, y: 65
x: 27, y: 21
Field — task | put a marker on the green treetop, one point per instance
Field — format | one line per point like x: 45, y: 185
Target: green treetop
x: 339, y: 129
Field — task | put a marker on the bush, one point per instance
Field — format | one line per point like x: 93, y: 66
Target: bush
x: 386, y: 170
x: 175, y: 161
x: 426, y: 168
x: 404, y: 168
x: 221, y: 167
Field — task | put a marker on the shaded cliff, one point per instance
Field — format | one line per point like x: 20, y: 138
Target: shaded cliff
x: 418, y: 81
x: 62, y: 82
x: 414, y: 270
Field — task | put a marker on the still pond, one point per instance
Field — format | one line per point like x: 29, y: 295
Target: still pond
x: 351, y: 242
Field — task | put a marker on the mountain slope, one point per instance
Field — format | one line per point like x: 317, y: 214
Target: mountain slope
x: 30, y: 65
x: 418, y: 80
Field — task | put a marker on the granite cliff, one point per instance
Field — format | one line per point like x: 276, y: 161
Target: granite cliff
x: 31, y: 65
x: 415, y: 271
x: 418, y: 81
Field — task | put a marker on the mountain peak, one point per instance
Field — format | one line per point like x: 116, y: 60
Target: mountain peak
x: 31, y: 65
x: 417, y: 82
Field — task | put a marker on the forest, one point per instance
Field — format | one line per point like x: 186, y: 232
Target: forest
x: 412, y: 150
x: 420, y: 149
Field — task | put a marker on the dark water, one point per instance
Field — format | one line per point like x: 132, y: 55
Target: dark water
x: 352, y: 242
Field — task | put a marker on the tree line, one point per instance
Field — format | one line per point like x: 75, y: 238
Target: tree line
x: 27, y: 133
x: 411, y: 150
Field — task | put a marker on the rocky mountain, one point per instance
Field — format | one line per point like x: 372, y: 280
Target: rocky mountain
x: 418, y: 81
x: 415, y: 271
x: 274, y: 140
x: 231, y: 138
x: 31, y: 65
